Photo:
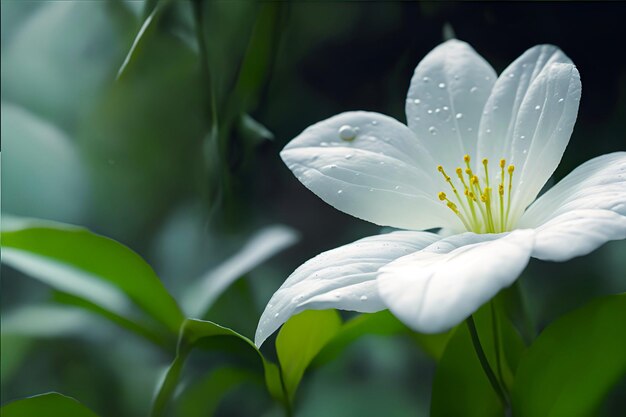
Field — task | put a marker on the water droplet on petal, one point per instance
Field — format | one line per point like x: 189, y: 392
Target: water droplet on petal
x: 473, y: 89
x: 437, y: 110
x: 560, y: 100
x: 487, y: 78
x: 348, y: 156
x: 347, y: 132
x: 445, y: 108
x: 432, y: 130
x: 537, y: 107
x: 456, y: 77
x: 459, y: 115
x: 339, y: 191
x: 441, y: 85
x: 426, y: 79
x: 363, y: 298
x: 430, y: 111
x: 374, y: 122
x: 511, y: 75
x: 416, y: 101
x: 323, y: 143
x: 522, y: 137
x: 397, y: 187
x: 469, y: 129
x: 276, y: 315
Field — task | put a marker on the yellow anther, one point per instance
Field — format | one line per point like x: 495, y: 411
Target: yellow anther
x: 502, y: 163
x: 466, y: 192
x: 485, y: 161
x: 483, y: 198
x: 472, y: 196
x: 459, y: 172
x: 487, y: 194
x: 511, y: 169
x: 474, y: 180
x: 442, y: 196
x: 466, y: 158
x: 468, y: 171
x: 439, y: 168
x: 453, y: 207
x: 501, y: 189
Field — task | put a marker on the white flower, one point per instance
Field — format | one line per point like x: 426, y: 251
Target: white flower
x: 476, y: 152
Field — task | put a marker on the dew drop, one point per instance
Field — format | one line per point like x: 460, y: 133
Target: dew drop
x: 473, y: 89
x: 397, y: 187
x: 537, y: 107
x: 432, y: 130
x: 488, y: 130
x: 363, y: 298
x: 459, y: 115
x: 333, y: 166
x: 456, y: 77
x: 487, y: 78
x: 426, y: 79
x: 276, y: 315
x: 430, y: 111
x: 560, y: 100
x: 525, y: 151
x: 348, y: 156
x: 469, y: 129
x: 382, y: 162
x: 511, y: 75
x: 339, y: 191
x: 374, y: 122
x: 441, y: 85
x: 347, y: 132
x: 522, y: 137
x: 323, y: 143
x: 371, y: 189
x: 445, y: 108
x: 416, y: 101
x: 437, y: 110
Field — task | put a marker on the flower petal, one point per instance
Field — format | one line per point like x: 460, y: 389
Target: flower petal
x: 438, y: 287
x: 445, y: 100
x: 377, y: 172
x: 495, y: 135
x: 542, y: 130
x: 599, y: 183
x: 577, y: 233
x: 583, y: 211
x: 529, y: 117
x: 342, y: 278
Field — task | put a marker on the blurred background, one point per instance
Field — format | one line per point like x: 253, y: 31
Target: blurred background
x: 173, y: 151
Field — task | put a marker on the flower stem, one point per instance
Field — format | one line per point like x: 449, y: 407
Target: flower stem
x: 484, y: 362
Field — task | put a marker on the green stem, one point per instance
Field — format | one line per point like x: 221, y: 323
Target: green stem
x: 484, y: 362
x: 496, y: 339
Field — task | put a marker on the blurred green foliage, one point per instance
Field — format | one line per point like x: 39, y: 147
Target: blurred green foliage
x: 166, y: 139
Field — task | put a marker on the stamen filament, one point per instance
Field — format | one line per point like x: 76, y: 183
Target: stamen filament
x: 508, y: 202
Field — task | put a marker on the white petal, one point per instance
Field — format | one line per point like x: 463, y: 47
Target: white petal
x: 583, y: 211
x: 599, y: 183
x: 380, y: 174
x: 445, y: 101
x: 435, y: 289
x: 577, y: 233
x: 342, y: 278
x: 495, y: 136
x: 542, y: 130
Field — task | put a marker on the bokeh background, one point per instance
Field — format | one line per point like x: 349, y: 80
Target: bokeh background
x: 138, y: 156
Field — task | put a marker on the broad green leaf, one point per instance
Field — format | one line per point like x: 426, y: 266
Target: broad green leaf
x: 202, y: 398
x: 91, y: 267
x: 264, y: 244
x: 460, y: 386
x: 207, y: 335
x: 51, y: 404
x: 300, y: 340
x: 574, y: 363
x: 381, y: 323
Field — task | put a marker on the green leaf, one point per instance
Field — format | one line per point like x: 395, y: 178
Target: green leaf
x: 207, y: 335
x: 574, y: 363
x: 91, y: 267
x: 300, y: 340
x: 50, y: 404
x: 381, y: 323
x: 202, y: 398
x: 145, y: 31
x: 264, y: 244
x: 460, y: 386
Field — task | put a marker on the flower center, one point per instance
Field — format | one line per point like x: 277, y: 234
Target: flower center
x: 480, y: 211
